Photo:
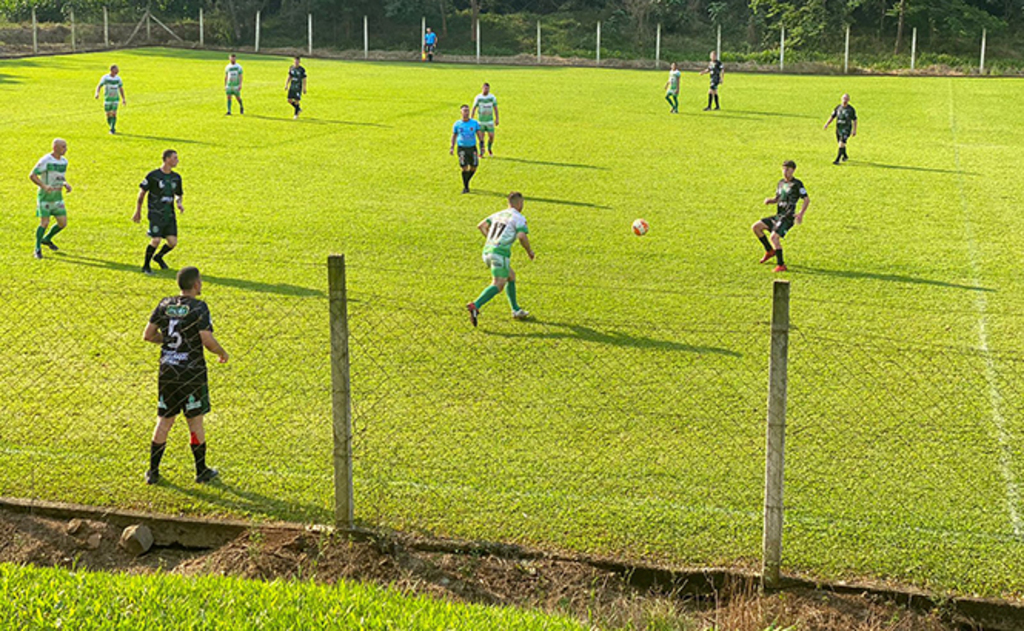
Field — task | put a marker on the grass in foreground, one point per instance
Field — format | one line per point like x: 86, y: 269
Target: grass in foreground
x: 628, y: 418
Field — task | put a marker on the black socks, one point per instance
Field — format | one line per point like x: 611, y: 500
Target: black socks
x: 156, y: 453
x: 199, y: 453
x: 765, y: 242
x: 150, y: 250
x: 716, y: 102
x: 778, y: 257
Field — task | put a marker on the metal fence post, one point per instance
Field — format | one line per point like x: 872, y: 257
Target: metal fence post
x: 74, y: 45
x: 106, y: 29
x: 202, y: 36
x: 775, y: 441
x: 423, y: 33
x: 366, y: 38
x: 984, y: 33
x: 257, y: 46
x: 310, y: 16
x: 846, y: 55
x: 782, y: 49
x: 149, y: 34
x: 35, y: 32
x: 913, y: 48
x: 657, y: 48
x: 718, y: 44
x: 599, y: 41
x: 341, y: 393
x: 478, y: 40
x: 538, y: 41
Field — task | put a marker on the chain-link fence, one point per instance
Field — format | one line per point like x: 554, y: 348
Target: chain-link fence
x: 581, y: 38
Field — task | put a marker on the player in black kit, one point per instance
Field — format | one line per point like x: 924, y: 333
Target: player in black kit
x: 181, y: 326
x: 846, y: 126
x: 163, y: 186
x: 715, y: 70
x: 788, y: 192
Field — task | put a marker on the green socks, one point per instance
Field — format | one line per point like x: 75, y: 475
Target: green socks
x: 510, y: 289
x: 53, y: 232
x: 113, y: 122
x: 40, y: 231
x: 486, y: 295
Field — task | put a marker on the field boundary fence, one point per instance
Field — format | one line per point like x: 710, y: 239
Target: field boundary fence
x: 528, y: 40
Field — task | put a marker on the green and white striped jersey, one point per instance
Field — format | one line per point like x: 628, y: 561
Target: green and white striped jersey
x: 505, y: 226
x: 51, y: 172
x: 234, y: 75
x: 485, y: 107
x: 673, y: 80
x: 111, y: 87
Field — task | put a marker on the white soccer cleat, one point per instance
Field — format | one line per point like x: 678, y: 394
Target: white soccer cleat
x: 522, y: 314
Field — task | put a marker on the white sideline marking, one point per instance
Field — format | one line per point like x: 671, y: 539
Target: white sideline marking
x: 981, y: 304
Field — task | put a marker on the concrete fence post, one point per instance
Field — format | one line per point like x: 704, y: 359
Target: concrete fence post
x: 341, y: 392
x: 775, y: 441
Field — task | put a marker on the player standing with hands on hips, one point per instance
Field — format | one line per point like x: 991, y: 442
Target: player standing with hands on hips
x: 788, y: 192
x: 181, y: 326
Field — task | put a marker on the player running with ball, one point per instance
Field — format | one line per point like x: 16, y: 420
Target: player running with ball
x: 788, y: 192
x: 502, y: 230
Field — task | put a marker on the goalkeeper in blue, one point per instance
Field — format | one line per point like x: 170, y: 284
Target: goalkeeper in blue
x: 502, y: 230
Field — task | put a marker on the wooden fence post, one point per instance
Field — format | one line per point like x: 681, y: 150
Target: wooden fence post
x: 341, y: 393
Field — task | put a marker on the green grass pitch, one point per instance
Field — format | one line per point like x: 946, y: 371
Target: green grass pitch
x: 628, y: 417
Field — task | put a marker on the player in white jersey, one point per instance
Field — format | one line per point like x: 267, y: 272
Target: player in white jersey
x: 502, y: 230
x: 672, y: 88
x: 112, y: 87
x: 487, y: 105
x: 50, y: 175
x: 233, y: 84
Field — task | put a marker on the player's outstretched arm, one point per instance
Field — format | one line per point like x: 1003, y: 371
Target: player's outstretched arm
x: 152, y: 334
x: 771, y: 200
x: 524, y: 239
x: 211, y: 344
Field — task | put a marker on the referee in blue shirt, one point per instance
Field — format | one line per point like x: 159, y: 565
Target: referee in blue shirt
x: 466, y: 131
x: 429, y: 43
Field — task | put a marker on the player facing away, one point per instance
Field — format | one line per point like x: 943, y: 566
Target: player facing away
x: 50, y: 175
x: 465, y: 132
x: 296, y: 85
x: 788, y: 192
x: 716, y: 71
x: 163, y: 187
x: 112, y: 87
x: 672, y: 88
x: 846, y: 126
x: 485, y: 109
x: 181, y: 326
x: 429, y: 45
x: 502, y: 230
x: 233, y: 83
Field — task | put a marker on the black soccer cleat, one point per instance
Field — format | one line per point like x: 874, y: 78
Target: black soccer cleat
x: 38, y: 254
x: 53, y: 246
x: 241, y: 110
x: 152, y: 476
x: 845, y: 157
x: 836, y: 162
x: 145, y: 270
x: 160, y: 261
x: 474, y: 312
x: 465, y: 190
x: 207, y: 475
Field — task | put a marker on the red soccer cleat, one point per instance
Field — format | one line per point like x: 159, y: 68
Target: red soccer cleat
x: 474, y: 312
x: 780, y: 268
x: 767, y: 256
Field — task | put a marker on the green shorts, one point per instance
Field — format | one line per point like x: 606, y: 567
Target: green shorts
x: 235, y: 90
x: 51, y: 209
x: 500, y: 265
x: 487, y: 126
x: 110, y: 106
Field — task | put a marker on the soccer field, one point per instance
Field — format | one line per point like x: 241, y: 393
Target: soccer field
x: 628, y: 417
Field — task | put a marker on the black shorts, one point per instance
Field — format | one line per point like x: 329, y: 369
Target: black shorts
x: 842, y: 135
x: 429, y: 49
x: 295, y: 95
x: 468, y: 157
x: 162, y: 225
x: 183, y: 395
x: 714, y: 85
x: 780, y: 224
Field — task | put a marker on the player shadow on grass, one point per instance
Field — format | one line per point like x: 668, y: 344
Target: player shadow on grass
x: 179, y: 141
x: 317, y: 121
x: 540, y: 200
x: 778, y: 114
x: 899, y: 167
x: 613, y: 338
x: 283, y: 289
x: 893, y: 278
x: 234, y: 498
x: 549, y: 164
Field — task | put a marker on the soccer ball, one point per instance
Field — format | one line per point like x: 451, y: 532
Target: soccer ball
x: 640, y: 227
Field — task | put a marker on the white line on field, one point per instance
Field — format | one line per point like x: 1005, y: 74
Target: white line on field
x: 981, y: 304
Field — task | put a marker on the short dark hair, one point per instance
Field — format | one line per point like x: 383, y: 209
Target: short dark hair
x: 487, y: 84
x: 513, y: 196
x: 463, y: 106
x: 298, y: 57
x: 187, y: 277
x: 790, y: 164
x: 168, y: 153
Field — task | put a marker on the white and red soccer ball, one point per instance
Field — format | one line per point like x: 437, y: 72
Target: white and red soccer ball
x: 640, y: 227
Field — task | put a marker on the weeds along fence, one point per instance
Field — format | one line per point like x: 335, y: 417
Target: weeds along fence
x: 748, y: 441
x: 559, y: 39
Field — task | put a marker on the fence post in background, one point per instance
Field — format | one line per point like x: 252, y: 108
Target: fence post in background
x: 366, y: 38
x: 913, y: 48
x: 74, y: 45
x: 341, y: 393
x: 599, y: 41
x: 538, y: 41
x: 782, y: 49
x: 478, y: 40
x: 35, y: 32
x: 657, y: 48
x: 423, y: 33
x: 202, y: 35
x: 149, y: 34
x: 310, y: 20
x: 257, y: 46
x: 981, y: 71
x: 718, y: 44
x: 776, y: 436
x: 106, y: 29
x: 846, y: 54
